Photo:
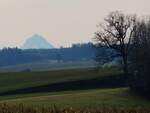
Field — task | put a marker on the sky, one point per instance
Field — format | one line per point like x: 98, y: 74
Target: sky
x: 61, y: 22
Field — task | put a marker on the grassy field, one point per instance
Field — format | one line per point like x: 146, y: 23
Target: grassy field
x: 20, y: 80
x: 48, y: 66
x: 116, y: 97
x: 85, y: 88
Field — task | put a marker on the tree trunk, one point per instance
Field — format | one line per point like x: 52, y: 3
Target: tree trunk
x: 125, y: 65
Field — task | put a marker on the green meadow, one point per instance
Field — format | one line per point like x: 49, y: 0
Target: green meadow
x: 77, y: 88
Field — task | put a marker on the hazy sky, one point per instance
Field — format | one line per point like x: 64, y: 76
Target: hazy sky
x: 61, y: 22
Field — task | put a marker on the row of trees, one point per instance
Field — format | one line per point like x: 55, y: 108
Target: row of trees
x: 78, y: 52
x: 130, y: 38
x: 140, y: 57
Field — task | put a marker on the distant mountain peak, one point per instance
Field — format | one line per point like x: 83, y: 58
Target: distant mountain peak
x: 36, y: 41
x: 37, y: 36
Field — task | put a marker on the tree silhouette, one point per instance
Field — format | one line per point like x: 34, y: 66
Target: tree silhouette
x: 116, y: 33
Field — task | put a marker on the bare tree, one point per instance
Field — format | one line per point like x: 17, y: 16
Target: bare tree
x: 116, y: 33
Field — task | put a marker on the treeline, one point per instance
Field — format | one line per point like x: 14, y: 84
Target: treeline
x: 140, y: 57
x: 78, y: 52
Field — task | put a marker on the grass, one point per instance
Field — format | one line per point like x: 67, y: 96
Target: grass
x: 13, y: 81
x: 21, y: 108
x: 94, y: 97
x: 116, y: 97
x: 47, y: 66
